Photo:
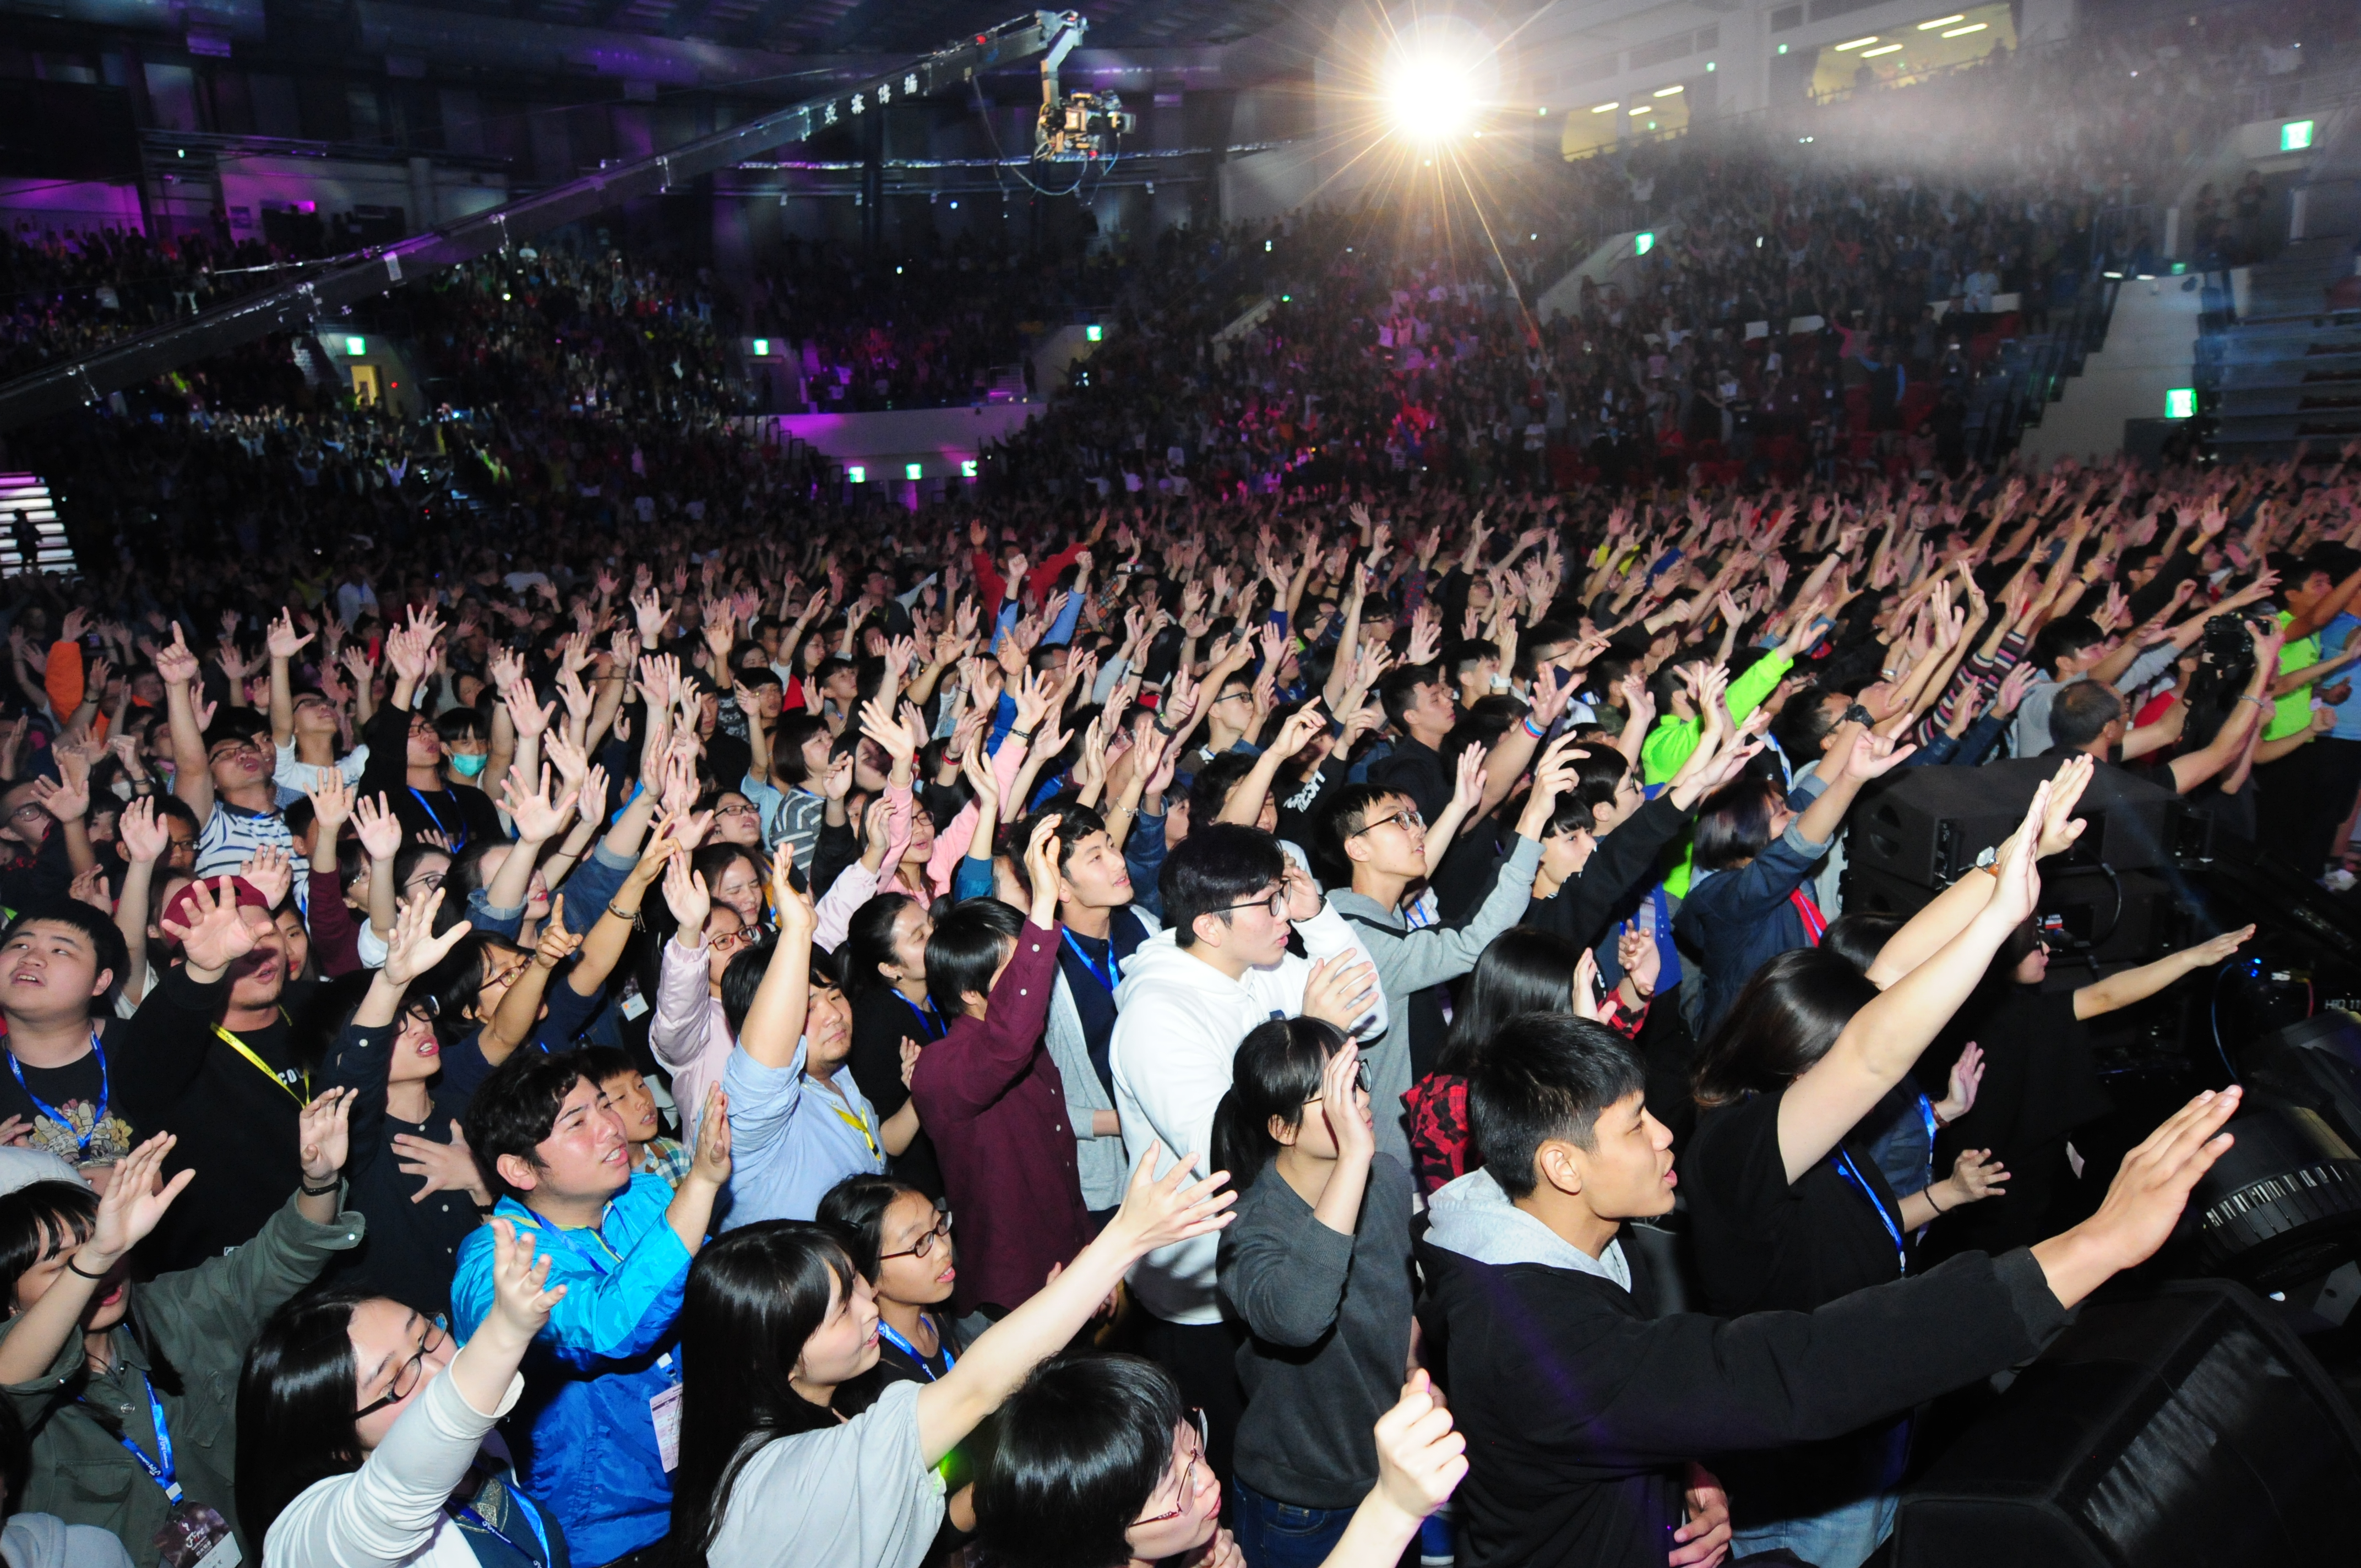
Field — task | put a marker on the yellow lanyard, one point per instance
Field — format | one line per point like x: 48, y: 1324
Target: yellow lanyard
x: 858, y: 1125
x: 242, y: 1049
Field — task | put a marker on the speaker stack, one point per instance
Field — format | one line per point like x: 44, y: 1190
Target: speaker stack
x: 2107, y: 899
x: 2184, y: 1428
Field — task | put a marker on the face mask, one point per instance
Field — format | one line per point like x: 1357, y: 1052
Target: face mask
x: 468, y: 766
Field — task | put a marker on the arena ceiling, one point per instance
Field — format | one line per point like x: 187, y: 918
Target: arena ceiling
x: 860, y: 27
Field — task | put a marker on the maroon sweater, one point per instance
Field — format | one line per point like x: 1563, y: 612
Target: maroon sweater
x: 991, y: 1099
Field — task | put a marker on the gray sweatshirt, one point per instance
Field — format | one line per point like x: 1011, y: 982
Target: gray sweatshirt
x: 1408, y: 961
x: 1329, y: 1316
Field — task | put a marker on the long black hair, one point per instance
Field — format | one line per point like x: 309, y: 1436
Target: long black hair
x: 1782, y: 1023
x: 295, y: 1395
x: 869, y: 941
x: 1082, y: 1446
x: 1275, y: 1072
x: 753, y: 1297
x: 1522, y: 970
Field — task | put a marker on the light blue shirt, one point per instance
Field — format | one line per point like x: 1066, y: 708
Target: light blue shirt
x: 790, y: 1140
x: 2333, y: 639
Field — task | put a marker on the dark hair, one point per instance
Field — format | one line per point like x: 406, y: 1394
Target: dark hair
x: 1733, y: 826
x: 603, y: 1064
x: 1398, y: 689
x: 1082, y: 1445
x: 462, y: 724
x: 2063, y: 638
x: 743, y: 977
x: 1784, y: 1020
x: 295, y: 1403
x: 754, y: 1295
x: 1803, y: 724
x: 1217, y: 865
x: 1522, y: 970
x: 1076, y: 822
x: 1544, y: 1076
x: 795, y: 732
x: 1347, y: 811
x: 855, y: 1208
x: 514, y: 1109
x: 1275, y: 1071
x: 1857, y: 935
x: 42, y: 1218
x: 2080, y: 713
x: 869, y: 941
x: 106, y: 941
x: 966, y: 948
x: 1209, y: 790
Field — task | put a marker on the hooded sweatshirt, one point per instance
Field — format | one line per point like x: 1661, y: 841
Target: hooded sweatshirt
x: 1582, y: 1407
x: 1178, y: 1023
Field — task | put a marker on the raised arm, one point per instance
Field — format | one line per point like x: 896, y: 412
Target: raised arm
x: 2118, y: 991
x: 1878, y: 1047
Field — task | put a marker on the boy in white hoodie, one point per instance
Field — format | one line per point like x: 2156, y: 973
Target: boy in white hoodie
x: 1188, y: 996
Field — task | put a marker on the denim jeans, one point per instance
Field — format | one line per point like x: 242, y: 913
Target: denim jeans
x: 1841, y: 1534
x: 1274, y: 1534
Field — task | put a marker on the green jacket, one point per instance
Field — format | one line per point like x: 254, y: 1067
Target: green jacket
x: 202, y: 1320
x: 1674, y: 740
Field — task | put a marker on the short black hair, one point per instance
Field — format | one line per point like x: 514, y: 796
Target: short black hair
x: 1398, y: 688
x: 743, y: 977
x: 2066, y: 636
x: 462, y: 724
x: 1209, y: 790
x: 965, y: 949
x: 515, y: 1108
x: 795, y: 732
x: 106, y: 941
x: 1219, y: 864
x: 1076, y: 822
x: 1345, y: 814
x: 1081, y: 1446
x: 1543, y: 1077
x: 1734, y: 823
x: 2080, y: 713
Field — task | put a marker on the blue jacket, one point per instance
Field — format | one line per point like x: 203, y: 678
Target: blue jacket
x: 1738, y: 920
x: 606, y: 1351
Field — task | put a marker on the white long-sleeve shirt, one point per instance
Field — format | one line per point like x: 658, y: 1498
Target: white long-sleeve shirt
x: 389, y: 1512
x: 1178, y: 1023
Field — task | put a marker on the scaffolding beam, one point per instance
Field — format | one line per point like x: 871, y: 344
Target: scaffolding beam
x: 300, y: 306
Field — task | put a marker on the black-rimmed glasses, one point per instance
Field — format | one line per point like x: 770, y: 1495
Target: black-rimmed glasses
x: 940, y: 1231
x: 406, y: 1377
x: 1407, y: 817
x: 1275, y: 902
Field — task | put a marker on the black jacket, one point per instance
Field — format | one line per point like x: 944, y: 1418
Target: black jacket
x: 1580, y: 1408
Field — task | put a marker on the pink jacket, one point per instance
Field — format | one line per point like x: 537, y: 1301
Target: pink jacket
x: 689, y: 1034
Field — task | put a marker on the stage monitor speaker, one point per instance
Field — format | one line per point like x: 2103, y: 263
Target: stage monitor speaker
x: 2087, y: 914
x: 1929, y: 825
x: 2186, y: 1429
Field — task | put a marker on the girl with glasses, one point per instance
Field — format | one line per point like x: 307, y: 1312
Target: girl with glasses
x: 362, y: 1429
x: 777, y: 1319
x: 1319, y: 1268
x: 1097, y: 1464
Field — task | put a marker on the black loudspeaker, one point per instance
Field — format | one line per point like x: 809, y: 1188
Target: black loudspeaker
x: 1929, y: 825
x: 2091, y: 913
x: 2182, y: 1429
x: 2284, y: 1205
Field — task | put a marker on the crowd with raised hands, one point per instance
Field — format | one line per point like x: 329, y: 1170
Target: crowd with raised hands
x: 1063, y: 1035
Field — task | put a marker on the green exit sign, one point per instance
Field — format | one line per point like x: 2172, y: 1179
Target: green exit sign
x: 2295, y: 136
x: 2180, y: 403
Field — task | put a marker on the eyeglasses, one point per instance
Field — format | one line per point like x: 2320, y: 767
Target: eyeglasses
x: 1408, y: 819
x: 733, y: 941
x: 1360, y: 1080
x: 743, y: 809
x: 1186, y: 1463
x: 28, y: 812
x: 408, y: 1376
x: 924, y: 1243
x: 229, y: 749
x: 1274, y: 901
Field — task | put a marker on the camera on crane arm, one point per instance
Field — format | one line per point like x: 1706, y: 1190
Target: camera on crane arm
x: 1076, y: 127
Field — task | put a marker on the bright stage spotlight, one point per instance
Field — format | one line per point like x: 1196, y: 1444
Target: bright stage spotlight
x: 1439, y: 75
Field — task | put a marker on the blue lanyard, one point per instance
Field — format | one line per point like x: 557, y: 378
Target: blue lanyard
x: 1846, y: 1168
x: 564, y: 1238
x: 459, y: 841
x: 159, y: 1473
x: 1114, y: 971
x: 887, y: 1332
x: 928, y: 1024
x: 82, y: 1142
x: 531, y: 1516
x: 1927, y: 1113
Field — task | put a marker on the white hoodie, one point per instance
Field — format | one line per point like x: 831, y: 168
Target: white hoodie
x: 1178, y: 1023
